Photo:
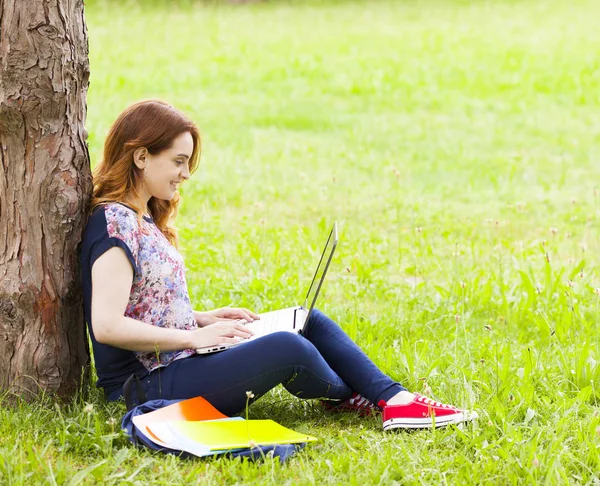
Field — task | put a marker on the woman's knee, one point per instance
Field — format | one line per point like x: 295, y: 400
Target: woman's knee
x: 321, y: 322
x: 289, y: 348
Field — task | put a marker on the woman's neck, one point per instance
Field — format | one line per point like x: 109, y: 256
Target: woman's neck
x: 138, y: 206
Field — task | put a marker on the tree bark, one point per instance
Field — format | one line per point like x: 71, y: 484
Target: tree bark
x: 45, y: 187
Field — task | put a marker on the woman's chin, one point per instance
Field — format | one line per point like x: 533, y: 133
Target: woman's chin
x: 168, y: 196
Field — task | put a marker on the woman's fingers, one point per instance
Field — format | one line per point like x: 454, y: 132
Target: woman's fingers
x: 243, y: 333
x: 235, y: 328
x: 230, y: 340
x: 240, y: 313
x: 251, y: 314
x: 245, y: 314
x: 234, y: 336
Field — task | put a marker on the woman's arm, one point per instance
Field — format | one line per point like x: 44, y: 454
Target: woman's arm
x: 112, y: 275
x: 224, y: 313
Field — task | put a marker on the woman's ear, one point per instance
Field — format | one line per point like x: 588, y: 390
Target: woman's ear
x: 139, y: 157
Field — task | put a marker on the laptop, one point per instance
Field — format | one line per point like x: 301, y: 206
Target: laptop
x: 291, y: 319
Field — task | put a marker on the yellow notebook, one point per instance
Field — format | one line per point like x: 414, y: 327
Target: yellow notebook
x: 192, y: 409
x: 234, y: 434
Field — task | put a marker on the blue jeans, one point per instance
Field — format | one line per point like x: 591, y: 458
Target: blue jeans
x: 322, y: 363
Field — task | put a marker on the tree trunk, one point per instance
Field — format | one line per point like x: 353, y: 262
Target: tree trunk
x: 45, y: 186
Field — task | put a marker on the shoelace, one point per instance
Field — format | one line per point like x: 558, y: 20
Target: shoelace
x: 359, y: 401
x: 432, y: 403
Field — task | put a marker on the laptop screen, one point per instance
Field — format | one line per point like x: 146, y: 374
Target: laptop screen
x: 317, y: 281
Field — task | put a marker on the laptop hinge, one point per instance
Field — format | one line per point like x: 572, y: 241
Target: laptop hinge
x: 300, y: 315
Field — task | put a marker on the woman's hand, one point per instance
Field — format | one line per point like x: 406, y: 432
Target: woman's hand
x: 204, y: 319
x: 220, y: 332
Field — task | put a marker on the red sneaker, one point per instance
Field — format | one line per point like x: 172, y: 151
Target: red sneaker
x: 356, y: 403
x: 423, y: 413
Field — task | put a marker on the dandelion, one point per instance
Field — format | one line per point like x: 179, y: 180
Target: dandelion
x: 553, y: 230
x: 249, y: 395
x: 89, y: 408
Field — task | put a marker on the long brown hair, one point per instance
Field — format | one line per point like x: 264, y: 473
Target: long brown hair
x: 154, y: 125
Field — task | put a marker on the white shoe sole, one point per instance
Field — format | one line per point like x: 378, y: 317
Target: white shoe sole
x: 427, y: 423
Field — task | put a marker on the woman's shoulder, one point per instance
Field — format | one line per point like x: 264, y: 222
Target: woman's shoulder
x: 116, y: 208
x: 120, y: 210
x: 117, y: 218
x: 110, y: 224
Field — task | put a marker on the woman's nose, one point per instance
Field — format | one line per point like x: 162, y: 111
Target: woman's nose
x: 185, y: 172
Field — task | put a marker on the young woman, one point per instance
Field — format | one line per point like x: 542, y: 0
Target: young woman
x: 141, y: 320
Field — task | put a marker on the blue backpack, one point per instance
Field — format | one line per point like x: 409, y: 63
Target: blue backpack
x: 281, y: 451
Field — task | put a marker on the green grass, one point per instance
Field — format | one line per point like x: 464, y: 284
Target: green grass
x: 457, y: 145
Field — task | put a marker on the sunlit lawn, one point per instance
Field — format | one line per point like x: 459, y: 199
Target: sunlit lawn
x: 456, y: 143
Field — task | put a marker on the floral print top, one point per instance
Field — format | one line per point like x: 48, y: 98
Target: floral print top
x: 159, y: 294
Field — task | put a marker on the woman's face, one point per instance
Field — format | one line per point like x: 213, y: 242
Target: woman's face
x: 167, y: 169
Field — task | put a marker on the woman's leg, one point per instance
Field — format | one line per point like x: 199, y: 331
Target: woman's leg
x: 348, y: 361
x: 257, y: 366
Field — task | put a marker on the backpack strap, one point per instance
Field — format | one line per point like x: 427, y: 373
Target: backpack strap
x: 139, y: 391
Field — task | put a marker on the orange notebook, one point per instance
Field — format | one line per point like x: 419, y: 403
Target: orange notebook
x: 192, y: 409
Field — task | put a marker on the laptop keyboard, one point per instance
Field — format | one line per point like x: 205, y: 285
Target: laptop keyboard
x: 266, y: 324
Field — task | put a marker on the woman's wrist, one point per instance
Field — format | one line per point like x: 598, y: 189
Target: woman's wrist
x: 202, y: 318
x: 192, y: 338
